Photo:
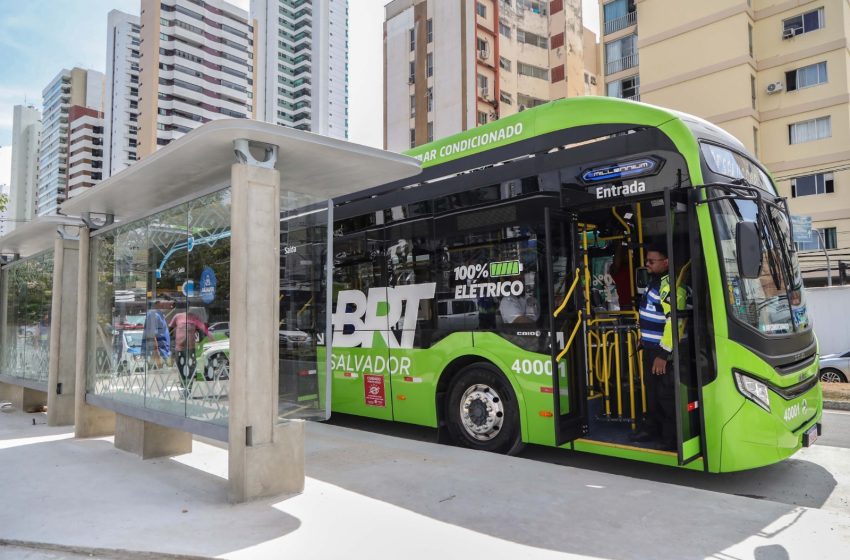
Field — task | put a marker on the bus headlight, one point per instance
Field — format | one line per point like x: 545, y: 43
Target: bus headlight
x: 754, y: 390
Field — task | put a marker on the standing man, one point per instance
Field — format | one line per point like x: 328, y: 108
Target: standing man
x: 656, y: 339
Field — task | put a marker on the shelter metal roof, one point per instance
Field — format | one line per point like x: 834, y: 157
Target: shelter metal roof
x: 35, y: 236
x: 308, y: 163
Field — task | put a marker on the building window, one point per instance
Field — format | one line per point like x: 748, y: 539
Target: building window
x: 530, y: 70
x: 756, y: 141
x: 618, y: 15
x: 808, y: 131
x: 430, y: 97
x: 482, y: 81
x: 482, y: 118
x: 750, y: 37
x: 483, y: 47
x: 505, y: 30
x: 807, y: 76
x: 412, y: 137
x: 481, y: 9
x: 412, y: 106
x: 627, y: 88
x: 412, y: 77
x: 621, y: 54
x: 429, y: 30
x: 527, y: 102
x: 430, y: 132
x: 531, y: 39
x: 803, y: 23
x: 753, y: 91
x: 505, y: 98
x: 504, y: 63
x: 807, y: 185
x: 535, y: 6
x: 429, y: 64
x: 412, y: 40
x: 828, y: 235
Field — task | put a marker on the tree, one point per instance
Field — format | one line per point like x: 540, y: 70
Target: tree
x: 4, y: 201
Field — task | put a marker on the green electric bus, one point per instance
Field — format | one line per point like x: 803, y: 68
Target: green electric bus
x: 494, y: 296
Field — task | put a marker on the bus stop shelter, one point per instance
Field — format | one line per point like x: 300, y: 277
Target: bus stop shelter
x: 36, y: 365
x: 203, y: 295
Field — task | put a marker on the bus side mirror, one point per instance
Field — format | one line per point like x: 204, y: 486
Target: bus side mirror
x: 748, y: 249
x: 641, y: 279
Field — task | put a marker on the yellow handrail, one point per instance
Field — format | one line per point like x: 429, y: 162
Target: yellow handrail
x: 569, y: 293
x: 570, y: 341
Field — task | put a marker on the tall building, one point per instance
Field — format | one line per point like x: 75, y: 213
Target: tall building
x: 771, y: 72
x: 451, y: 66
x: 85, y: 149
x: 302, y: 78
x: 70, y: 87
x: 121, y: 102
x: 196, y: 65
x: 26, y: 136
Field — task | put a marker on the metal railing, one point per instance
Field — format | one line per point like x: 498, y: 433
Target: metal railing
x: 614, y: 66
x: 621, y: 22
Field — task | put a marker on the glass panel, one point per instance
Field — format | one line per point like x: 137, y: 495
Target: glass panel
x: 29, y: 293
x: 303, y: 288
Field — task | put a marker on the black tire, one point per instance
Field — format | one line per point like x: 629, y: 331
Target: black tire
x: 213, y: 364
x: 828, y: 375
x: 482, y: 411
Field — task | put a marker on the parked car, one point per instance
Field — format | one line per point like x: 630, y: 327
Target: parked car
x: 215, y: 360
x: 835, y: 368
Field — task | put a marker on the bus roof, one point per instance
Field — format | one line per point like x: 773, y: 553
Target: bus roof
x: 564, y: 114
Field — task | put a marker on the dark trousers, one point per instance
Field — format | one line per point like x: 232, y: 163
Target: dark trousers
x: 186, y: 364
x: 660, y: 399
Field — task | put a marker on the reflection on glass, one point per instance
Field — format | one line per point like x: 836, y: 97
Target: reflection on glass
x: 26, y: 348
x: 157, y: 285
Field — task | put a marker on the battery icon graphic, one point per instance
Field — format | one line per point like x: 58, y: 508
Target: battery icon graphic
x: 505, y: 268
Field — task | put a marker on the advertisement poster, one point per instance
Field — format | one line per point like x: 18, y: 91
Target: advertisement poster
x: 374, y: 385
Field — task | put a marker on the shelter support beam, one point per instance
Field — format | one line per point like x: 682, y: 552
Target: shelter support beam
x: 149, y: 440
x: 266, y: 455
x: 89, y: 421
x: 62, y: 372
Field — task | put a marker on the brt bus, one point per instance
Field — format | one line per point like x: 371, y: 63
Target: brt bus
x: 478, y: 296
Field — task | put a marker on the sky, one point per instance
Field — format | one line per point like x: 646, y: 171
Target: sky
x: 38, y: 38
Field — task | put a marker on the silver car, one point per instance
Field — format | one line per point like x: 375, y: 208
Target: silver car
x: 835, y: 368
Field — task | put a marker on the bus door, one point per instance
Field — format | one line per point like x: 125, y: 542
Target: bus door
x: 685, y: 269
x: 567, y: 335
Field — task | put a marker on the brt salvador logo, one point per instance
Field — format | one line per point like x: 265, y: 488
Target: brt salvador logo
x: 383, y: 309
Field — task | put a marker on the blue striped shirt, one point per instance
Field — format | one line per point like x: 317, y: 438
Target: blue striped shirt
x: 652, y: 316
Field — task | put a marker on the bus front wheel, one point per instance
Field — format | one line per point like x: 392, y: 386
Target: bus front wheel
x: 482, y: 411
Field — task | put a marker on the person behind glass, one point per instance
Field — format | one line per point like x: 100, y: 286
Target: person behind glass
x: 186, y: 326
x: 156, y: 340
x: 43, y: 332
x: 656, y: 340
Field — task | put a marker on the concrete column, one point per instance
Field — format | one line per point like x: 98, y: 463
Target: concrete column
x: 61, y: 377
x: 22, y: 398
x: 149, y: 440
x: 266, y: 458
x: 89, y: 421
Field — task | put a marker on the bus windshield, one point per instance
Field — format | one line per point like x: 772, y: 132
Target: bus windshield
x: 773, y: 303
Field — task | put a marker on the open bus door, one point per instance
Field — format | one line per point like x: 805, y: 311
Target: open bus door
x: 684, y: 255
x: 566, y: 327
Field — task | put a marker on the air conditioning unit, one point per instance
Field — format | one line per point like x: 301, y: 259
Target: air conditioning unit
x: 593, y: 80
x: 775, y: 87
x: 484, y: 92
x: 790, y: 32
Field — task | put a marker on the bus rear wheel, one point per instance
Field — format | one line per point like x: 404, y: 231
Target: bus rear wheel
x: 482, y: 411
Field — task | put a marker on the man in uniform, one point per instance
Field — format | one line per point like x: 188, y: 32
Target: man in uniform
x: 656, y: 333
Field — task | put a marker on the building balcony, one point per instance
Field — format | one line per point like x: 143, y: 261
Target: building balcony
x: 621, y: 22
x: 620, y: 64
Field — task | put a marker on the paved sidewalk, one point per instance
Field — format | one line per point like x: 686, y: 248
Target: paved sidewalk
x: 375, y: 496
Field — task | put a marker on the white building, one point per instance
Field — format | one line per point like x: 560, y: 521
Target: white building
x: 85, y: 149
x: 196, y: 65
x: 121, y: 103
x: 26, y: 134
x: 302, y: 78
x: 70, y: 87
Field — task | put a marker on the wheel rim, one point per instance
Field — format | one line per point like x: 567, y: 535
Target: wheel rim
x: 481, y: 412
x: 830, y: 377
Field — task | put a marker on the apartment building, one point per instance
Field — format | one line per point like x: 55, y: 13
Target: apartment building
x: 121, y: 101
x: 772, y: 72
x: 69, y: 88
x: 26, y: 136
x: 302, y: 61
x: 197, y: 64
x: 451, y: 66
x: 85, y: 149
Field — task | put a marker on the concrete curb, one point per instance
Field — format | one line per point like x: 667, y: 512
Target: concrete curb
x: 94, y: 552
x: 836, y: 405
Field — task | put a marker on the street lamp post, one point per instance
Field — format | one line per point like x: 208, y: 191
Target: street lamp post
x: 826, y: 254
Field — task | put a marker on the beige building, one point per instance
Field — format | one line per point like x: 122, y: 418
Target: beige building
x: 772, y: 72
x: 196, y: 65
x: 85, y: 149
x: 451, y: 66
